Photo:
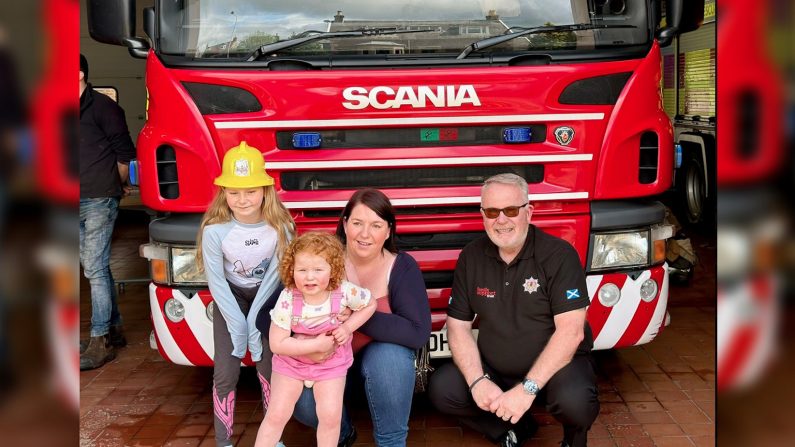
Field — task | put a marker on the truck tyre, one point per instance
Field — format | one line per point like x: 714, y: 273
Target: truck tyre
x: 692, y: 187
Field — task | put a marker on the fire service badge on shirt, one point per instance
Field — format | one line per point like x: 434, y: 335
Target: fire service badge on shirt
x: 531, y: 285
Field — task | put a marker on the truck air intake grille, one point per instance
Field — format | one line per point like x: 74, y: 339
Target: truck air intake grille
x: 214, y: 99
x: 403, y: 178
x: 412, y: 137
x: 599, y: 90
x: 167, y: 178
x: 649, y: 150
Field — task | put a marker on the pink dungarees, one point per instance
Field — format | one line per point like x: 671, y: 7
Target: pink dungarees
x: 302, y: 368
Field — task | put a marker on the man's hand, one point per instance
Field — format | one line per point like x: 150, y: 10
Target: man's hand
x: 484, y: 393
x: 124, y: 175
x: 512, y: 404
x: 341, y: 334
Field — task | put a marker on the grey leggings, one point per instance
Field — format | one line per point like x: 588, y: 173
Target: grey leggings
x: 227, y: 370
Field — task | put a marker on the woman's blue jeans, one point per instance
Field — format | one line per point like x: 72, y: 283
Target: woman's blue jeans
x: 97, y: 217
x: 387, y: 371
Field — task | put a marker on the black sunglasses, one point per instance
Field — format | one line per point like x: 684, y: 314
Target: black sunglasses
x: 509, y: 211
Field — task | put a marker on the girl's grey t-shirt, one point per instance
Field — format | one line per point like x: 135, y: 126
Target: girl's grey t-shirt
x: 244, y: 255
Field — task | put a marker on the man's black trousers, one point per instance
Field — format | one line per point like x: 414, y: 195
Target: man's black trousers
x: 570, y: 396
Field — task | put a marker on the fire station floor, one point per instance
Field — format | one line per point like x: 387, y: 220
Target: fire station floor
x: 662, y: 393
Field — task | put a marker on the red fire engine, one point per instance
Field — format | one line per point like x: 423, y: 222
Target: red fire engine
x: 423, y: 102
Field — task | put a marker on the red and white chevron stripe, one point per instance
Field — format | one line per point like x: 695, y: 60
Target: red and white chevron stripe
x: 631, y: 321
x: 63, y: 320
x: 748, y: 319
x: 189, y: 342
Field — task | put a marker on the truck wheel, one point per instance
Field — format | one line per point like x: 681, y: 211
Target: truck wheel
x: 692, y: 188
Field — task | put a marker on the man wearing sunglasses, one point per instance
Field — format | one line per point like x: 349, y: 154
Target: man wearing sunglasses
x: 528, y: 290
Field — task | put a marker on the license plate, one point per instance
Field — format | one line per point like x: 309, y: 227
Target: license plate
x: 438, y: 345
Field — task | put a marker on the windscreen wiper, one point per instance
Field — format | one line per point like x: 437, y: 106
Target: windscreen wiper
x: 496, y: 40
x: 308, y: 36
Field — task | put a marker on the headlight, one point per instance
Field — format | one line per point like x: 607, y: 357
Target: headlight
x: 648, y: 290
x: 184, y: 268
x: 209, y: 311
x: 174, y: 310
x: 609, y: 294
x: 735, y: 253
x: 620, y: 250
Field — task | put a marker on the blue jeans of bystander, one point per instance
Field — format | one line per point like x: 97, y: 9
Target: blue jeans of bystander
x: 388, y: 373
x: 97, y: 217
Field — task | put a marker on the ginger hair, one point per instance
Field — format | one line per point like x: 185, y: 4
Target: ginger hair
x: 320, y: 244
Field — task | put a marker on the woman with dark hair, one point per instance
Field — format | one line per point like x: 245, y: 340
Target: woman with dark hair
x: 388, y: 341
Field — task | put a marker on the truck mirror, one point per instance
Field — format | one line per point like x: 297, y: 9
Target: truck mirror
x: 681, y: 16
x: 692, y: 15
x: 113, y: 22
x: 149, y: 22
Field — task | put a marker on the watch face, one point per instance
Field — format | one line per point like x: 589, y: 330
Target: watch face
x: 530, y: 386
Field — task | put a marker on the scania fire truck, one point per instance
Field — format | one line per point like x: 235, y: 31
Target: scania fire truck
x: 423, y: 100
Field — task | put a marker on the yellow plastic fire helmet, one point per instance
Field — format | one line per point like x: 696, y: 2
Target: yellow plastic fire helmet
x: 244, y: 167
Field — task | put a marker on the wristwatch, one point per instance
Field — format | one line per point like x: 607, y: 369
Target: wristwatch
x: 530, y: 386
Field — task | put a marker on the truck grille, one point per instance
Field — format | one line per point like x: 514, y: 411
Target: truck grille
x: 403, y: 178
x: 412, y: 137
x: 402, y: 211
x: 435, y: 241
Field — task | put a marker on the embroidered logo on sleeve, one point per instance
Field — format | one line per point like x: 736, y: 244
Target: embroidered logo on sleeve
x: 572, y: 294
x: 531, y: 285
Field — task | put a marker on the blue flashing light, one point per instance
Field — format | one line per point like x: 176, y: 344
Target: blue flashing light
x: 516, y: 135
x: 306, y: 140
x: 678, y: 156
x: 134, y: 172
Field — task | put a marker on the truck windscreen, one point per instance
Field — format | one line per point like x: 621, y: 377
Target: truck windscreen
x: 235, y: 29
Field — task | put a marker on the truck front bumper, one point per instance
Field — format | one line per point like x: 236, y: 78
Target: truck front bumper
x: 631, y: 320
x: 189, y: 341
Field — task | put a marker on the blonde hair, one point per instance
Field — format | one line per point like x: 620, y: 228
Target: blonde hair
x: 273, y: 213
x: 318, y: 244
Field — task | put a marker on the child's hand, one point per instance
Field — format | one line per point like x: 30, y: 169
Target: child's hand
x: 344, y: 314
x: 341, y: 334
x: 325, y: 342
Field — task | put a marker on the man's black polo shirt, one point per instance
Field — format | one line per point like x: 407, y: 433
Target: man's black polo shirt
x: 516, y: 303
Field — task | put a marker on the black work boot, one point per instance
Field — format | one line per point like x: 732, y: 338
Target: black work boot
x: 98, y: 352
x: 117, y: 339
x: 349, y: 440
x: 521, y: 433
